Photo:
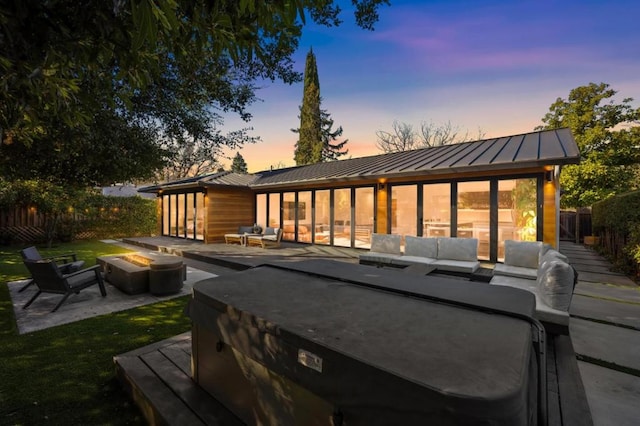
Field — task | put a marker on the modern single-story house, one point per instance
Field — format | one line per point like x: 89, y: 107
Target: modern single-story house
x: 498, y: 189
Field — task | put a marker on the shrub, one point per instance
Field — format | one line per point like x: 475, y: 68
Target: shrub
x: 616, y: 221
x: 117, y: 217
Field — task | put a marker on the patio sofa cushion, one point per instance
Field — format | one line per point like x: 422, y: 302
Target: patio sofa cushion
x: 556, y: 280
x: 459, y: 255
x: 384, y: 249
x: 544, y: 312
x: 457, y: 266
x: 412, y: 260
x: 421, y: 247
x: 525, y: 254
x: 515, y: 271
x: 463, y: 249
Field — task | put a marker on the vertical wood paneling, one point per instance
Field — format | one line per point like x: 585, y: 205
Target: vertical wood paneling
x: 550, y: 212
x: 381, y: 225
x: 227, y: 209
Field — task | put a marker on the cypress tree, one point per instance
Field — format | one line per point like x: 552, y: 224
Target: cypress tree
x: 315, y: 133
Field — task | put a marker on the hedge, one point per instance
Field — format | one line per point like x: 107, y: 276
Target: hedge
x: 616, y: 221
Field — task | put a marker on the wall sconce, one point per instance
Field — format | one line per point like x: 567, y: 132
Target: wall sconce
x: 381, y: 186
x: 548, y: 176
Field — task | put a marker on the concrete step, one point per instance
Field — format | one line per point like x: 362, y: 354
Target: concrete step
x: 607, y: 343
x: 613, y: 396
x: 606, y: 310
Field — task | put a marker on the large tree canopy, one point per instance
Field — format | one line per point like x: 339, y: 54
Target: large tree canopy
x: 608, y: 136
x: 50, y: 48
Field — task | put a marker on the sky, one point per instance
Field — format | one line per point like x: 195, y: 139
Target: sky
x: 493, y: 66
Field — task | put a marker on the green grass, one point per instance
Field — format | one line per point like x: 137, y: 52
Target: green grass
x: 65, y: 375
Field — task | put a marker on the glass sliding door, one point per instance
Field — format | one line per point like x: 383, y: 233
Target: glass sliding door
x: 166, y: 214
x: 261, y: 210
x: 342, y: 217
x: 517, y: 211
x: 289, y: 216
x: 404, y: 209
x: 364, y: 212
x: 191, y: 216
x: 173, y: 215
x: 181, y: 225
x: 322, y: 212
x: 200, y: 215
x: 274, y: 210
x: 436, y: 210
x: 304, y: 216
x: 474, y: 214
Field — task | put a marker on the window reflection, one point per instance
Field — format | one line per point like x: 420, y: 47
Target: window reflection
x: 322, y: 218
x: 436, y: 210
x: 474, y: 213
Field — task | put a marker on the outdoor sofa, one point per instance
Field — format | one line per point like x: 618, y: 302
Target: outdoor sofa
x: 270, y: 237
x: 454, y: 255
x: 240, y: 236
x: 534, y: 267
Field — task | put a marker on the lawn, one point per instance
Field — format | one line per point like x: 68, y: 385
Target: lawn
x: 65, y: 375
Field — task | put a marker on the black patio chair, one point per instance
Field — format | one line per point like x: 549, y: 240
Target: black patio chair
x: 67, y: 263
x: 49, y: 279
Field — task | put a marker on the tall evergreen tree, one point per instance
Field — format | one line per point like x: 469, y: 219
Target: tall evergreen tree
x: 239, y: 165
x: 315, y: 132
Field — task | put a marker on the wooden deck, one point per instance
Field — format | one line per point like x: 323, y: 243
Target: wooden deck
x: 158, y: 379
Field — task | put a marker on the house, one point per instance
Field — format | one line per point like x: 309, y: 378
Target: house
x: 493, y: 190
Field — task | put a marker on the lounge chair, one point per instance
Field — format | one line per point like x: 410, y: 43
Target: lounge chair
x: 49, y: 279
x: 271, y: 237
x: 67, y: 263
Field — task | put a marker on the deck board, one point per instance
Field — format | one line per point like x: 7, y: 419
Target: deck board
x: 158, y: 378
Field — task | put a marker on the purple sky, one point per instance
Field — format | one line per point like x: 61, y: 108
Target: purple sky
x: 490, y: 65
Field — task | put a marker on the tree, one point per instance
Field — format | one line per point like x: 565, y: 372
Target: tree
x: 315, y: 131
x: 239, y: 165
x: 608, y: 136
x: 404, y: 138
x: 48, y: 49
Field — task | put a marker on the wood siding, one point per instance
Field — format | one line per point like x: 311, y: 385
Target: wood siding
x: 227, y: 209
x: 550, y: 214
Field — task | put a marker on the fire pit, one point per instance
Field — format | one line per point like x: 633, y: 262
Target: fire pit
x: 137, y: 273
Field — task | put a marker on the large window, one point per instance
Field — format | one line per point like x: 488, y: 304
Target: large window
x: 191, y: 216
x: 274, y: 210
x: 261, y: 210
x: 364, y: 211
x: 474, y: 206
x: 304, y: 217
x: 289, y: 216
x: 183, y: 215
x: 436, y: 210
x: 517, y: 211
x: 200, y: 216
x: 322, y: 217
x: 342, y: 217
x: 165, y: 214
x: 404, y: 209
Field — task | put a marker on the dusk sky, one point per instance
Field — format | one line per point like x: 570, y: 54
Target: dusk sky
x: 490, y: 65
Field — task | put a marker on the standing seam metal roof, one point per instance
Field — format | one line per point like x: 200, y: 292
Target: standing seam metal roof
x: 535, y: 149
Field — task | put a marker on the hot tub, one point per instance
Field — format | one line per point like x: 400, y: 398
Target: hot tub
x: 323, y: 342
